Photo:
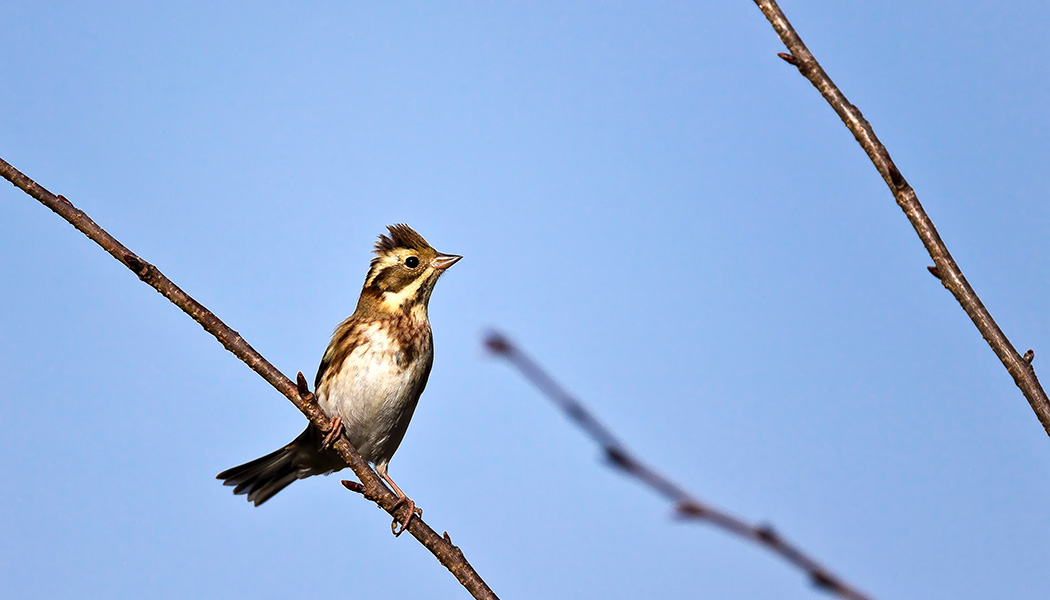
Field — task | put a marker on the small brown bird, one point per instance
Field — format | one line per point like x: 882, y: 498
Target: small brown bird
x: 371, y: 375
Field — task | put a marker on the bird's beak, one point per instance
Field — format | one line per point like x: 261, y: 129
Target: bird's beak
x: 444, y: 261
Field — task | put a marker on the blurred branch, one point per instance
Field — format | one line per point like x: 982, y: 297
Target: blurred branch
x: 686, y: 505
x: 945, y: 269
x: 371, y: 487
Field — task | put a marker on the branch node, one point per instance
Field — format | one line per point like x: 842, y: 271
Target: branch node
x: 788, y: 58
x: 689, y: 509
x: 354, y: 486
x: 63, y: 199
x: 934, y: 271
x: 1029, y: 356
x: 767, y: 534
x: 824, y: 581
x: 895, y: 175
x: 136, y: 264
x: 618, y: 458
x: 454, y: 547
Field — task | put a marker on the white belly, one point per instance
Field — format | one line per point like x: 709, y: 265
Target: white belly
x: 375, y: 396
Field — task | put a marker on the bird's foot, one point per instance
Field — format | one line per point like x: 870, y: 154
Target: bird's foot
x: 412, y: 512
x: 333, y: 433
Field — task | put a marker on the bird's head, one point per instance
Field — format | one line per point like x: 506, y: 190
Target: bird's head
x: 404, y: 272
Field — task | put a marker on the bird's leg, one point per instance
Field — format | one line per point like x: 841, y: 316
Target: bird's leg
x: 333, y: 433
x: 402, y: 499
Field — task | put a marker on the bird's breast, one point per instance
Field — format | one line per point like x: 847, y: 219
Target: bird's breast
x: 375, y: 387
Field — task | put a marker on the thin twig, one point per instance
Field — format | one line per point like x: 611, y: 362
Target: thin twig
x: 372, y: 488
x: 686, y: 505
x: 945, y: 267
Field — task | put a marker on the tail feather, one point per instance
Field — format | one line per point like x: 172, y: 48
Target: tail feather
x: 263, y: 477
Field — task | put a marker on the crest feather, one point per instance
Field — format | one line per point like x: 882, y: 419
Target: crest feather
x: 401, y: 236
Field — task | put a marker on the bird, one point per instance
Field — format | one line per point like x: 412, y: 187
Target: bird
x: 371, y: 374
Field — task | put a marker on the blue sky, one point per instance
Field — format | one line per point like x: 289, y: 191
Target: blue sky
x: 647, y: 199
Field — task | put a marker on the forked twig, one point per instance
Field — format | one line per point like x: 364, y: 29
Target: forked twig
x: 945, y: 269
x: 372, y: 488
x: 686, y: 505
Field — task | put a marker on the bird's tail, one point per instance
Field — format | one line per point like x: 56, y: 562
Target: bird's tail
x: 263, y: 477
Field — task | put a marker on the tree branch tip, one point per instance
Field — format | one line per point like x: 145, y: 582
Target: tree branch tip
x: 788, y: 58
x: 936, y: 272
x: 497, y: 344
x: 1029, y: 356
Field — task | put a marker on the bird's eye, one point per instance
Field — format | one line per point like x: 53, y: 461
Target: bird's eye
x: 411, y: 262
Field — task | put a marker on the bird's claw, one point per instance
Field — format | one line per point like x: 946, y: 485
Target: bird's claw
x: 412, y: 512
x: 333, y: 434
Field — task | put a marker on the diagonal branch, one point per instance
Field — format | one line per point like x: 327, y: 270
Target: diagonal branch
x: 449, y: 555
x: 686, y: 505
x: 945, y: 268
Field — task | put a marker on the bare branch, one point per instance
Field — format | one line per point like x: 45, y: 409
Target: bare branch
x: 371, y: 487
x: 944, y: 267
x: 686, y: 505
